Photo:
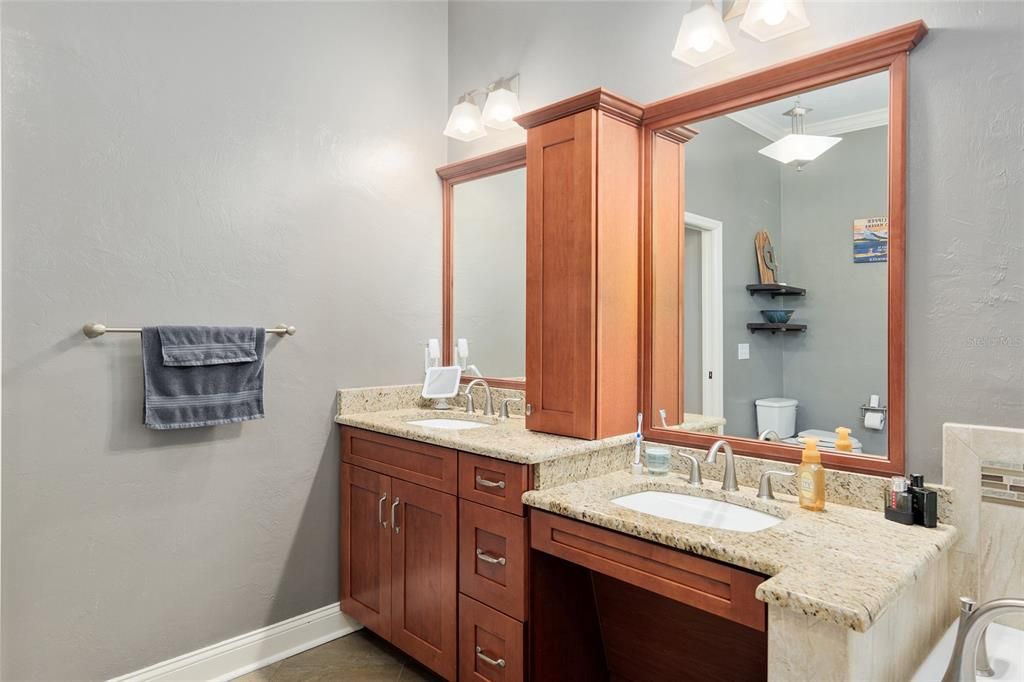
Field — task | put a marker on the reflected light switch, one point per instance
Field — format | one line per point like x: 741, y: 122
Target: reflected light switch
x: 743, y: 351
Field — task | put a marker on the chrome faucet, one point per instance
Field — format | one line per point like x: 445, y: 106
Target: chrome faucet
x: 488, y: 405
x: 965, y: 664
x: 729, y: 478
x: 695, y: 478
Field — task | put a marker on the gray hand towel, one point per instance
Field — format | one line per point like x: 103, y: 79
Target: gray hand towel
x: 202, y: 376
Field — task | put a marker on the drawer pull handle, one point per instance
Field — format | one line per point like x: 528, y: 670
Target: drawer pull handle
x: 394, y: 524
x: 489, y: 484
x: 500, y: 663
x: 380, y: 511
x: 484, y: 556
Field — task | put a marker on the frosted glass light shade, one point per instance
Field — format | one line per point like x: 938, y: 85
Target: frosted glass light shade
x: 770, y: 19
x: 702, y: 37
x: 501, y: 107
x: 465, y: 123
x: 799, y: 148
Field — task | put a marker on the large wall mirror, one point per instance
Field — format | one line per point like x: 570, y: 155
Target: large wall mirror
x: 774, y: 264
x: 484, y: 272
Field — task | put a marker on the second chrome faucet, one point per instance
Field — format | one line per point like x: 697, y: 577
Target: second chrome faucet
x: 729, y: 477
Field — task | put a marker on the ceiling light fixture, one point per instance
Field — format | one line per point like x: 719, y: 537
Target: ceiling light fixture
x: 702, y: 36
x: 502, y: 105
x: 770, y: 19
x: 465, y: 122
x: 798, y: 148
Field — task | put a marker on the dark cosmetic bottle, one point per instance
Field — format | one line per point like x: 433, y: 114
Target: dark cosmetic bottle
x: 924, y: 502
x: 898, y: 503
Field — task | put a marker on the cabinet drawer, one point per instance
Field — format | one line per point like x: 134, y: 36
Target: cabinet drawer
x: 493, y: 482
x: 704, y: 584
x: 490, y: 644
x: 428, y: 465
x: 492, y: 558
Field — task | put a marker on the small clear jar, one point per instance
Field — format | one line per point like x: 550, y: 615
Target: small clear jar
x: 659, y: 460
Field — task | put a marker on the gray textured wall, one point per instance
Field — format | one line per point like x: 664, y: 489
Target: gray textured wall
x: 840, y: 360
x: 965, y: 266
x: 229, y: 163
x: 726, y: 179
x: 489, y: 291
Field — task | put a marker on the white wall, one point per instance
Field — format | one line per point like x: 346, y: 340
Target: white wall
x: 965, y: 266
x: 219, y: 163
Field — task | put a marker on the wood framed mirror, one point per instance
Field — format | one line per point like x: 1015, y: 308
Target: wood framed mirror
x: 483, y: 271
x: 721, y: 171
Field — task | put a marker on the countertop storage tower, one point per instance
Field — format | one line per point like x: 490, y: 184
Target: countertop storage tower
x: 582, y: 265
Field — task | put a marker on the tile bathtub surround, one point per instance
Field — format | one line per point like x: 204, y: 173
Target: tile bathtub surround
x: 988, y: 560
x: 844, y: 565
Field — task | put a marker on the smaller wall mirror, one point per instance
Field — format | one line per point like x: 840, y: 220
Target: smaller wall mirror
x: 485, y: 266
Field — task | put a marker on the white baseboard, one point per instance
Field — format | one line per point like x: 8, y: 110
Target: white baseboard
x: 236, y: 656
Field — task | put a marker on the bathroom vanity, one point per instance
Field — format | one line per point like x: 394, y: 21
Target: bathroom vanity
x: 497, y: 553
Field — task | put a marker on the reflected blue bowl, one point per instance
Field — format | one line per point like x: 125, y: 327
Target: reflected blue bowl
x: 777, y: 316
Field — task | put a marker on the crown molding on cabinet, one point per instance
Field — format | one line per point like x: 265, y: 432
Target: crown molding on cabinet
x: 625, y: 109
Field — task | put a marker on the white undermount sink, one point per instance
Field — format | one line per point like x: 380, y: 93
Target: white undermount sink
x: 449, y: 424
x: 698, y: 511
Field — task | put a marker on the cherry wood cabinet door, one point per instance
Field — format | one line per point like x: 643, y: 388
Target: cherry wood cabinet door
x: 366, y: 548
x: 560, y: 276
x: 424, y: 569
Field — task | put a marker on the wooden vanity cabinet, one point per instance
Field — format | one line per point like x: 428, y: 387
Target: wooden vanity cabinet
x: 399, y: 544
x: 582, y: 265
x: 435, y: 553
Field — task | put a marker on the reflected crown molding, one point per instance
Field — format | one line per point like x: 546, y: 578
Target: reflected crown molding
x: 766, y: 127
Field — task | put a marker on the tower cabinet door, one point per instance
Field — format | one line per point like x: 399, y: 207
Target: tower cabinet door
x: 560, y: 276
x: 366, y: 548
x: 423, y: 570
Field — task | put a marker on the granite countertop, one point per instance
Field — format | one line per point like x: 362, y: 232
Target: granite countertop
x: 844, y: 565
x: 505, y: 439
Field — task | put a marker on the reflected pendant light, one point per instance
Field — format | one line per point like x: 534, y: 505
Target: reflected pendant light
x: 702, y: 36
x: 770, y: 19
x: 502, y: 106
x: 797, y: 148
x: 465, y: 122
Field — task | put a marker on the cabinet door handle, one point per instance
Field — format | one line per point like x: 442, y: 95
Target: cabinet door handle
x: 394, y: 524
x: 480, y: 480
x: 489, y: 558
x: 380, y: 511
x: 500, y: 663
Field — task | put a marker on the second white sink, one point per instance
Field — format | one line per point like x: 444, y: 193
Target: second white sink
x: 449, y: 424
x: 697, y: 510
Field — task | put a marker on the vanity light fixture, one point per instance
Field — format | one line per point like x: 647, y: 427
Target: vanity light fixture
x: 465, y: 122
x: 770, y: 19
x: 702, y: 36
x: 502, y: 105
x: 797, y: 147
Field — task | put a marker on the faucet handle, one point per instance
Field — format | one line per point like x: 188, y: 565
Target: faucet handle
x: 470, y: 408
x: 764, y: 487
x: 503, y: 410
x: 695, y: 477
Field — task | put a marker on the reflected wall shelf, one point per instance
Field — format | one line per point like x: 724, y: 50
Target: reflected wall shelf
x: 769, y: 327
x: 776, y: 290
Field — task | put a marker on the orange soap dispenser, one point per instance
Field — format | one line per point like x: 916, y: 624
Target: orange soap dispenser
x: 810, y: 476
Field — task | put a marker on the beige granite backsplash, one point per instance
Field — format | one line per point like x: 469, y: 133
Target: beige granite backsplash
x: 381, y: 398
x: 841, y: 487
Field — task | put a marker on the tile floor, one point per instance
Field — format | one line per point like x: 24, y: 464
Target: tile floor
x: 359, y: 657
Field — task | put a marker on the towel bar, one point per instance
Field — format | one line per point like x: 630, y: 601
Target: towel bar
x: 94, y: 329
